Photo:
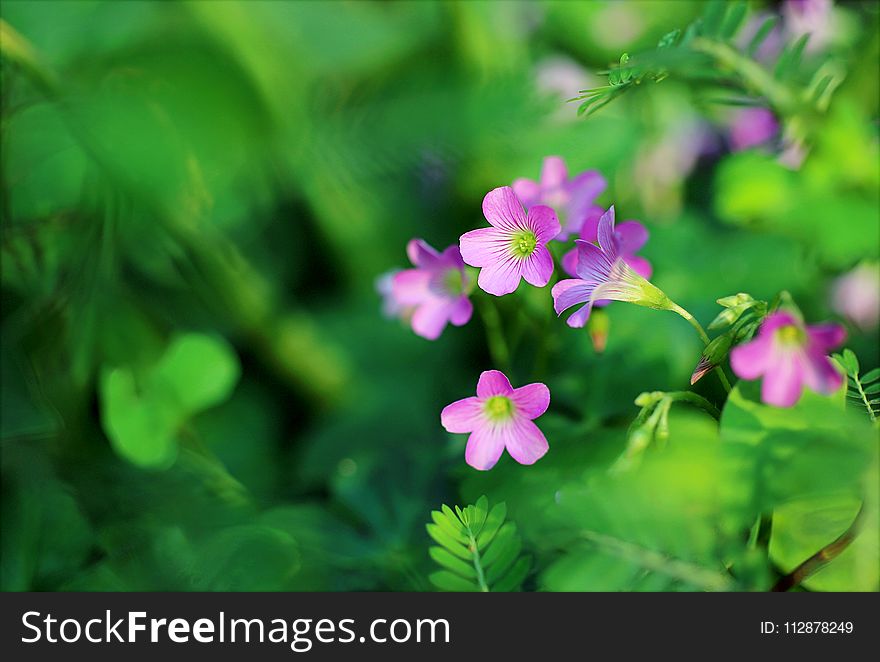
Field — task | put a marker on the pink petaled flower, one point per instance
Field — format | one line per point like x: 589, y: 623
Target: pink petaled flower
x: 630, y: 236
x: 514, y: 247
x: 856, y: 295
x: 790, y: 354
x: 752, y: 127
x: 603, y: 273
x: 436, y: 289
x: 500, y: 417
x: 572, y: 199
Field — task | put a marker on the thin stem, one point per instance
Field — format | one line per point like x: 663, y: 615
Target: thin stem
x: 696, y: 400
x: 704, y: 337
x: 864, y: 397
x: 478, y: 568
x: 818, y: 560
x: 498, y: 348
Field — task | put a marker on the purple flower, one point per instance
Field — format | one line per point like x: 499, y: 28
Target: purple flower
x: 514, y: 247
x: 572, y: 199
x: 603, y: 274
x: 752, y: 127
x: 856, y: 295
x: 500, y: 417
x: 630, y: 236
x: 789, y: 354
x: 391, y: 307
x: 436, y: 289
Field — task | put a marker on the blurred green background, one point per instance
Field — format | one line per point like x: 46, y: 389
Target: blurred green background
x: 198, y: 389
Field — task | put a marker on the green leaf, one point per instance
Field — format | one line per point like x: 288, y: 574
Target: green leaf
x: 712, y: 17
x: 734, y: 19
x: 447, y: 560
x: 481, y: 509
x: 198, y: 371
x: 452, y: 527
x: 872, y: 389
x: 505, y: 536
x: 514, y: 579
x: 493, y: 522
x: 503, y: 561
x: 850, y: 361
x: 871, y: 376
x: 447, y: 581
x: 803, y: 527
x: 762, y: 33
x: 448, y: 542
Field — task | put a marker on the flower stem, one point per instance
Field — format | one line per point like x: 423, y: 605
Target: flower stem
x: 498, y: 349
x: 478, y: 567
x: 704, y: 337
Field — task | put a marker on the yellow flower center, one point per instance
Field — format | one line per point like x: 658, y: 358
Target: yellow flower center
x: 790, y: 335
x: 523, y: 243
x: 499, y: 408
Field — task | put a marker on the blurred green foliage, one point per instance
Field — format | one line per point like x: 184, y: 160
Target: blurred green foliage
x: 199, y: 392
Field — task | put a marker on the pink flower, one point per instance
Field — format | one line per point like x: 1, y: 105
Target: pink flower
x: 752, y: 127
x: 630, y: 236
x: 856, y: 295
x: 436, y: 290
x: 789, y: 354
x: 603, y: 273
x: 514, y: 247
x: 571, y: 199
x: 499, y: 417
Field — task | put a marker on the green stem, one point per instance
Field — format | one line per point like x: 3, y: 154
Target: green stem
x: 704, y: 337
x: 478, y: 568
x: 864, y: 397
x: 498, y: 349
x: 696, y: 400
x: 753, y: 74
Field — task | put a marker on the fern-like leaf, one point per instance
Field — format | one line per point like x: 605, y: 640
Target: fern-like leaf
x: 477, y: 549
x: 706, y: 56
x: 863, y: 390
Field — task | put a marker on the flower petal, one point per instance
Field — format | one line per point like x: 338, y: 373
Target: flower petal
x: 461, y: 311
x: 778, y: 319
x: 590, y: 226
x: 640, y: 265
x: 569, y: 262
x: 500, y: 278
x: 493, y: 382
x: 586, y: 187
x: 570, y: 292
x: 410, y: 287
x: 451, y: 257
x: 751, y: 360
x: 462, y: 415
x: 421, y: 254
x: 783, y: 379
x: 484, y: 447
x: 826, y: 336
x: 554, y: 174
x: 607, y: 240
x: 820, y: 374
x: 524, y: 441
x: 542, y: 220
x: 431, y: 318
x: 531, y: 400
x: 528, y: 192
x: 484, y: 246
x: 593, y: 263
x: 538, y: 267
x: 631, y: 236
x: 503, y: 209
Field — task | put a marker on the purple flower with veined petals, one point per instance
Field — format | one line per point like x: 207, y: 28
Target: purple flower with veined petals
x: 789, y: 354
x: 500, y: 417
x: 436, y: 289
x: 514, y: 247
x: 603, y: 273
x: 571, y: 199
x: 630, y: 236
